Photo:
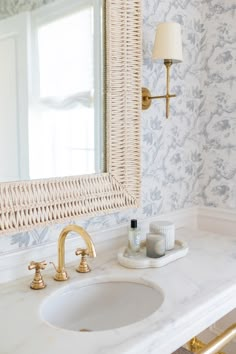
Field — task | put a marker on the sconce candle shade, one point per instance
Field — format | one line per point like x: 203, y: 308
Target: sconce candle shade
x: 168, y: 42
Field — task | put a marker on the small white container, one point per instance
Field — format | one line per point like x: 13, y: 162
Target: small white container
x: 155, y: 245
x: 167, y: 229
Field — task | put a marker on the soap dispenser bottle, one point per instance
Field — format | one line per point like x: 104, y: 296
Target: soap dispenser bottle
x: 133, y: 239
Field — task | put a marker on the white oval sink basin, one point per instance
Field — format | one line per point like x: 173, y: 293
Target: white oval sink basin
x: 101, y: 305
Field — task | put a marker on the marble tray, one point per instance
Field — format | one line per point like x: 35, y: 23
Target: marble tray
x: 142, y: 261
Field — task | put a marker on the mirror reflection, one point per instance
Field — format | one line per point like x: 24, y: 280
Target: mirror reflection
x: 51, y: 91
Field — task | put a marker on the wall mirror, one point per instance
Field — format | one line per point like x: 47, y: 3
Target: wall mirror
x: 72, y: 147
x: 51, y: 111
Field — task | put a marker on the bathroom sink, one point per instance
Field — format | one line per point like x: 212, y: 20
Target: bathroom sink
x: 101, y: 304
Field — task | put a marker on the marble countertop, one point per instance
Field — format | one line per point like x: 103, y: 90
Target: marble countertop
x: 199, y: 289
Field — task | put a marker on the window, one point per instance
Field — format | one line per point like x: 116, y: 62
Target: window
x: 65, y: 124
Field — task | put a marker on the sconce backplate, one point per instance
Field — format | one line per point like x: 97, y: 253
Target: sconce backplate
x: 146, y: 98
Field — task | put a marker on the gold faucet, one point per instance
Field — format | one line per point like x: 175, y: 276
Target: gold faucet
x: 61, y: 273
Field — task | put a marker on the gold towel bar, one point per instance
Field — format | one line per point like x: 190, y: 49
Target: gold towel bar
x: 216, y: 344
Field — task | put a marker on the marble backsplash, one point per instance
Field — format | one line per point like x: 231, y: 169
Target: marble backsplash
x: 188, y: 159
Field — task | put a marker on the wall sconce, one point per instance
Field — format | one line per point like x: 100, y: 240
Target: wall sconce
x: 167, y: 47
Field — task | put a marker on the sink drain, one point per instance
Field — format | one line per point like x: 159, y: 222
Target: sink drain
x: 85, y: 330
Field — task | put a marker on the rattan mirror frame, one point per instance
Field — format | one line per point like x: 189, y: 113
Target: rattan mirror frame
x: 24, y: 205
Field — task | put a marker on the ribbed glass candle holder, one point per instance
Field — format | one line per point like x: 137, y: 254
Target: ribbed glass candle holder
x: 167, y: 229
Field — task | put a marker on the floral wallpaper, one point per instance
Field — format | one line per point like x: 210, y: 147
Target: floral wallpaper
x: 217, y: 122
x: 188, y: 159
x: 13, y: 7
x: 171, y: 157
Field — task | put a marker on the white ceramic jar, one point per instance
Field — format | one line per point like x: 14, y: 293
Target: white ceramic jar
x: 167, y: 229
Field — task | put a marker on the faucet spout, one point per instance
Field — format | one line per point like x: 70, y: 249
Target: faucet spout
x: 61, y: 273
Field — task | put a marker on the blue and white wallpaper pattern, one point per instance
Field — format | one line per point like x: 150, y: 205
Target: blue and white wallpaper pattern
x: 217, y: 126
x: 189, y: 159
x: 13, y: 7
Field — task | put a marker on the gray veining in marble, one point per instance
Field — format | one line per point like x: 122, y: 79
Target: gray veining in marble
x: 189, y: 159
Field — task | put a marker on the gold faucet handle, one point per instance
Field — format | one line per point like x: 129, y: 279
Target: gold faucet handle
x: 83, y: 266
x: 82, y: 251
x: 38, y: 282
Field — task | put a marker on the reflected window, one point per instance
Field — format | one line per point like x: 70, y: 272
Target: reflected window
x: 65, y: 125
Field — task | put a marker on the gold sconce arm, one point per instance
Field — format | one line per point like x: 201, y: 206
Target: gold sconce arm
x: 146, y: 94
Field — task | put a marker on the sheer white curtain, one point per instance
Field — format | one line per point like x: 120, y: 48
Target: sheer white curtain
x: 62, y: 127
